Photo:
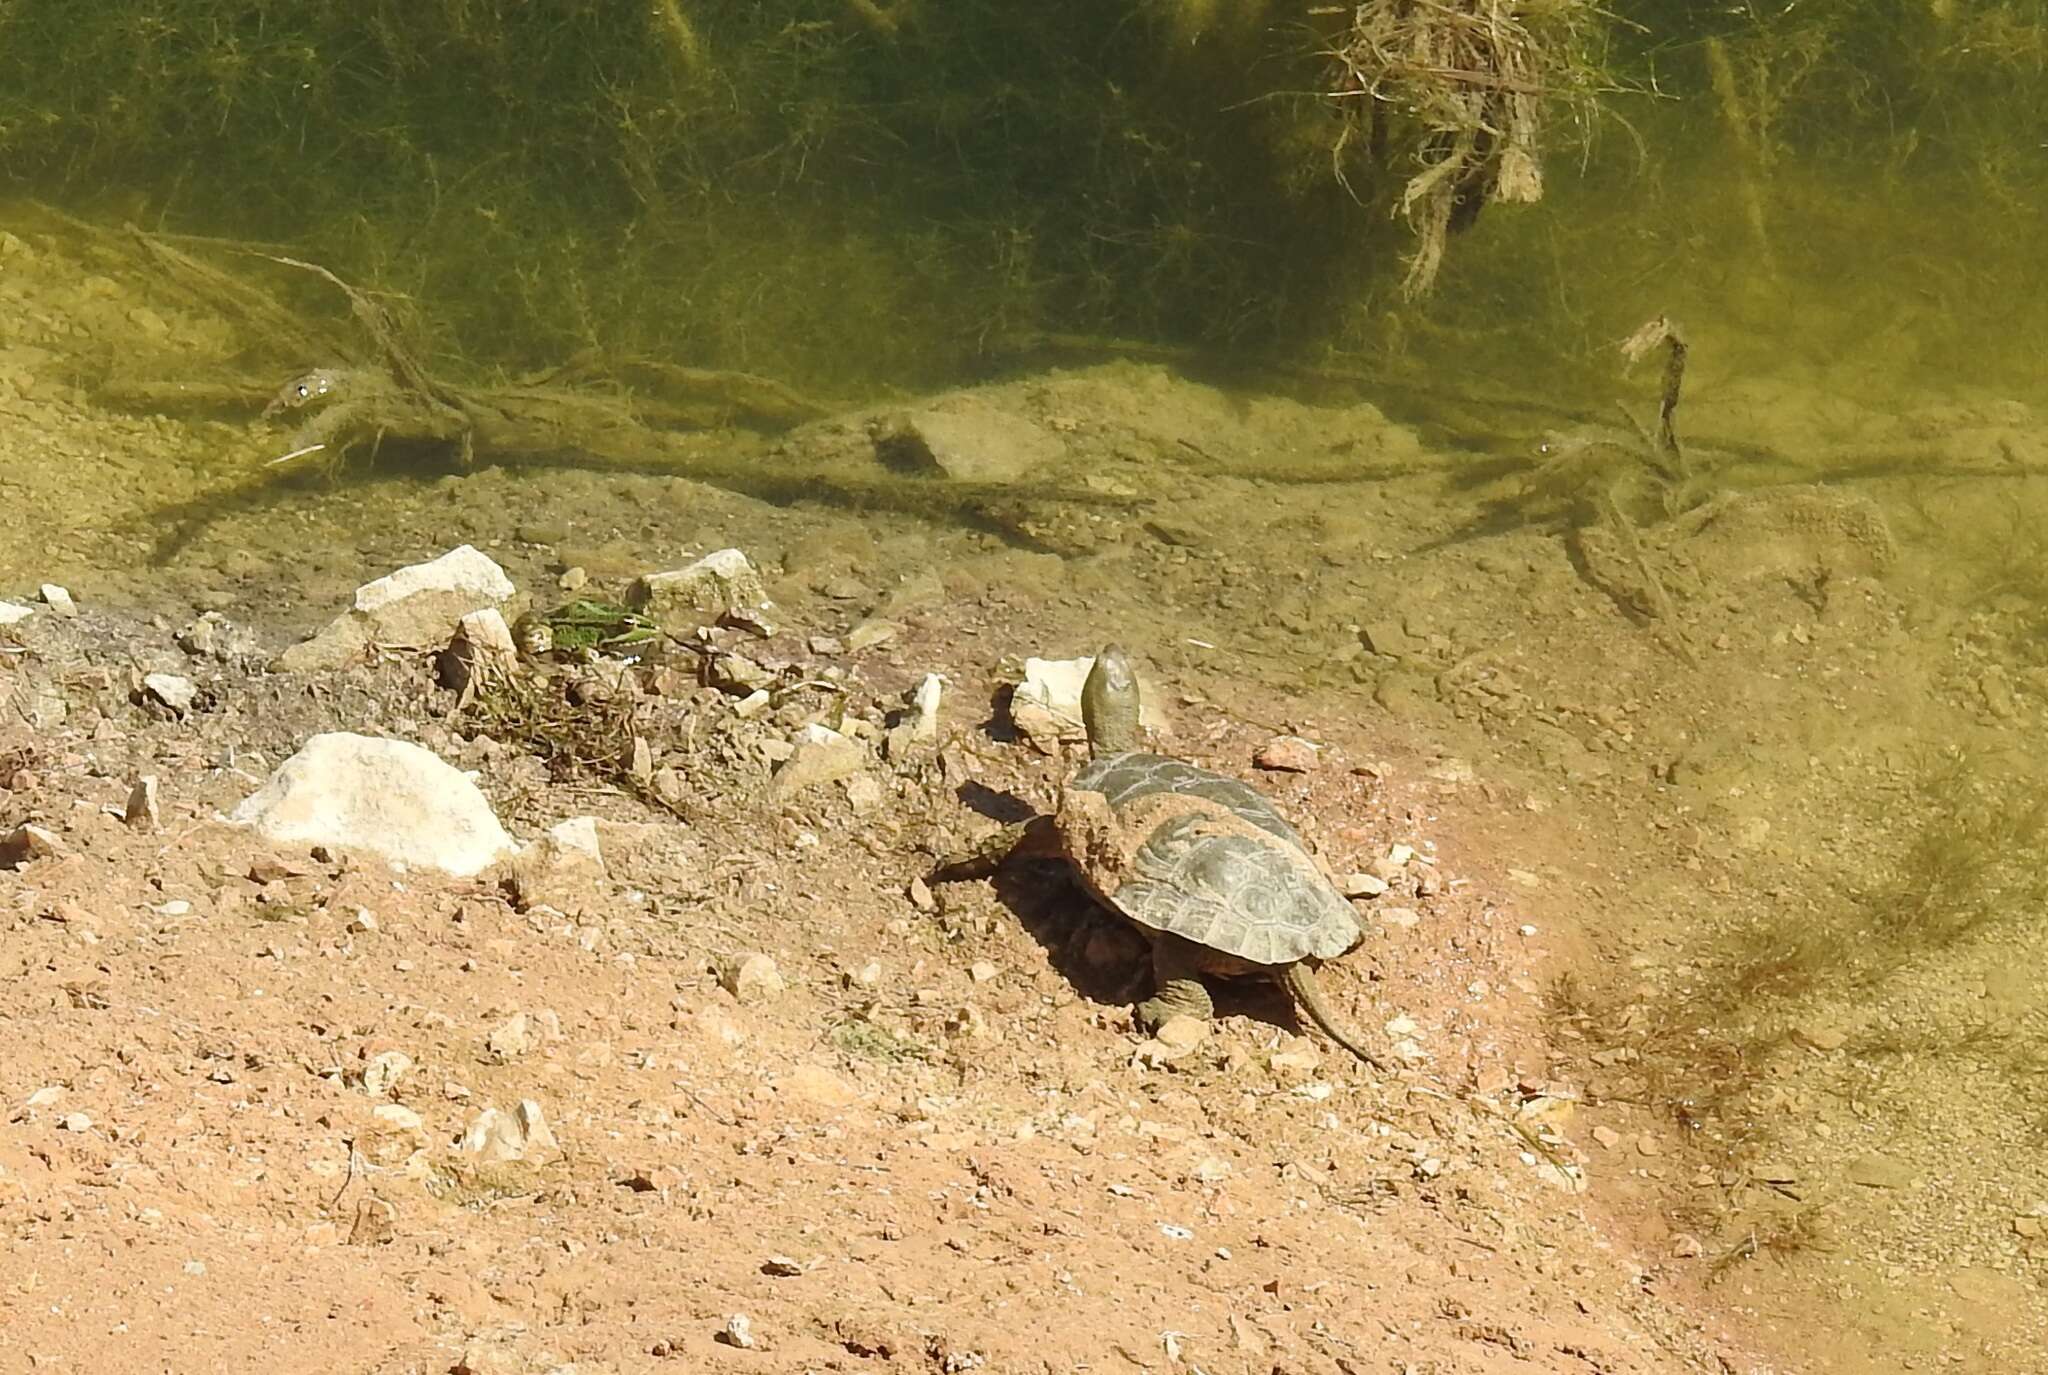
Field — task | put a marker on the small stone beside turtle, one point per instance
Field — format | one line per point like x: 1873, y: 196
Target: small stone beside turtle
x: 1200, y: 864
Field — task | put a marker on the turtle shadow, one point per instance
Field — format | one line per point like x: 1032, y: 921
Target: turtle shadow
x: 1102, y: 957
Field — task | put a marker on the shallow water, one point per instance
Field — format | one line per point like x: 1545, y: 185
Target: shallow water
x: 1785, y: 703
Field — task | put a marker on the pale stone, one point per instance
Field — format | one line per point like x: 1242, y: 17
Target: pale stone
x: 820, y: 755
x: 752, y: 978
x: 497, y: 1137
x: 719, y: 582
x: 415, y: 607
x: 1046, y: 706
x: 173, y: 691
x: 818, y: 1085
x: 391, y: 798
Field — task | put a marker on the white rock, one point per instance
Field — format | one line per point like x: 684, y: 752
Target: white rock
x: 58, y: 600
x: 721, y: 581
x: 391, y: 798
x: 925, y: 723
x: 578, y: 835
x: 495, y: 1136
x: 1358, y: 885
x: 1046, y: 706
x: 419, y: 606
x: 174, y: 692
x: 563, y: 870
x: 11, y: 612
x: 416, y: 607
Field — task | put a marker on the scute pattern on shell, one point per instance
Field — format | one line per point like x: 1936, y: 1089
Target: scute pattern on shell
x: 1210, y: 860
x: 1124, y: 778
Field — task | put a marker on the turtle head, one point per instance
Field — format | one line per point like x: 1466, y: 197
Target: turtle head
x: 1109, y: 704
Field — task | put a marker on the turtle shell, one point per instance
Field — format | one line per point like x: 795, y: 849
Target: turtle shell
x: 1206, y: 858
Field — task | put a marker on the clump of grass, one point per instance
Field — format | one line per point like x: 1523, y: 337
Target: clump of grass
x: 590, y: 737
x: 864, y: 1039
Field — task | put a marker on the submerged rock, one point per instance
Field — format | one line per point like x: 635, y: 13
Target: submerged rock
x: 969, y: 439
x: 391, y: 798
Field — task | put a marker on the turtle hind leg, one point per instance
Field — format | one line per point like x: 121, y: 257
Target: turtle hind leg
x: 1300, y: 983
x: 1036, y: 838
x: 1177, y: 988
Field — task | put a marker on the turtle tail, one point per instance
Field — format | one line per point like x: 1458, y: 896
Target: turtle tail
x: 1301, y: 983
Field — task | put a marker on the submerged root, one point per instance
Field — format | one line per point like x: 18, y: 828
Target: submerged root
x: 1471, y: 82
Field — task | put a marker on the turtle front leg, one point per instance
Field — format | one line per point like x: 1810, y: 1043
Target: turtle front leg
x: 1177, y: 989
x: 1036, y: 837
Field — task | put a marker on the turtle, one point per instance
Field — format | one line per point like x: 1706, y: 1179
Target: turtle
x: 1200, y: 864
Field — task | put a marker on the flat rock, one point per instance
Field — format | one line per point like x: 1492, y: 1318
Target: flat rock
x: 391, y: 798
x: 13, y: 612
x: 752, y: 978
x: 818, y: 1085
x: 419, y: 606
x: 1287, y: 754
x: 1879, y: 1172
x: 173, y: 691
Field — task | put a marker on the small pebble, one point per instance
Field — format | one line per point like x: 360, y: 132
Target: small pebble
x: 1361, y: 885
x: 1286, y: 754
x: 752, y: 978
